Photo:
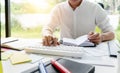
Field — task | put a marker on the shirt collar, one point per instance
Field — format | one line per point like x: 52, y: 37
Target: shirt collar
x: 68, y: 5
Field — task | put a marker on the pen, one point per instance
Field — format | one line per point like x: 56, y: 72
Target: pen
x: 42, y: 68
x: 58, y: 66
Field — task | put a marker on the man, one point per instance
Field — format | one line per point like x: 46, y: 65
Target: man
x: 76, y: 18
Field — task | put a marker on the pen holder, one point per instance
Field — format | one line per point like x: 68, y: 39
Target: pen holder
x: 118, y: 62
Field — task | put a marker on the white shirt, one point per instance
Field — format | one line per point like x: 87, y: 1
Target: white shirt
x: 78, y: 22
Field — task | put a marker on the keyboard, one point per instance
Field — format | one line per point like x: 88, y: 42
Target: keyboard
x: 61, y: 50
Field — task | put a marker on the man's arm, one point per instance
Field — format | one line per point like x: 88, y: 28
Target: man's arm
x: 103, y: 22
x: 107, y: 36
x: 97, y: 37
x: 47, y: 32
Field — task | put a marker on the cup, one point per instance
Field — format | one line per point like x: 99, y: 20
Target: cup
x: 118, y: 62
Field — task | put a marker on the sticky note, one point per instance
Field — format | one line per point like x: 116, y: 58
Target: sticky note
x: 6, y: 55
x: 19, y: 57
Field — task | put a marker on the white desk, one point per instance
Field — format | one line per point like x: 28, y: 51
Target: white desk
x: 9, y: 68
x: 103, y: 64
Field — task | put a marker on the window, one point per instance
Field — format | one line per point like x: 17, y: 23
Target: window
x: 2, y: 20
x: 28, y: 16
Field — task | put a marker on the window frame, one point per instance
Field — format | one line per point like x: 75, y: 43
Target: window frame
x: 7, y: 19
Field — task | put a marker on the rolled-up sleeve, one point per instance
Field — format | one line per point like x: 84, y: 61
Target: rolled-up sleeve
x: 52, y: 23
x: 102, y: 20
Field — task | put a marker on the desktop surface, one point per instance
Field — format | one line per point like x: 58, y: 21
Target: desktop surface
x: 96, y: 56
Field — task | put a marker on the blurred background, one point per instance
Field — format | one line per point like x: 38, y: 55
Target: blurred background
x: 28, y: 16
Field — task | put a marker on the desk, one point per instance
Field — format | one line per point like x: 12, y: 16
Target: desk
x: 9, y: 68
x: 103, y: 64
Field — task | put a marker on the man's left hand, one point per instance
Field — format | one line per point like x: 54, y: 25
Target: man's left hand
x: 95, y: 37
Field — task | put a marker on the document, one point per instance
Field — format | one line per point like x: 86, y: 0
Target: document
x: 81, y: 41
x: 35, y: 58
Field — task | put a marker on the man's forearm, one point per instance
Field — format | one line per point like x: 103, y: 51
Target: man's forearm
x: 47, y: 31
x: 107, y: 36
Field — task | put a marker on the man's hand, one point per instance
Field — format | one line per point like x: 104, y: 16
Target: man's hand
x: 95, y: 37
x: 50, y: 41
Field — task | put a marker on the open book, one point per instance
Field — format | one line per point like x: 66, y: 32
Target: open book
x: 81, y: 41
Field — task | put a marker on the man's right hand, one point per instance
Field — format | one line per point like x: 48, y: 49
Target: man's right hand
x: 50, y: 41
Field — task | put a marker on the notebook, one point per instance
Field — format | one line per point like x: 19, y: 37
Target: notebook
x: 81, y: 41
x: 72, y: 66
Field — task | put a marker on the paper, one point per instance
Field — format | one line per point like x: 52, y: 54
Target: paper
x: 21, y: 44
x: 8, y: 40
x: 100, y: 50
x: 19, y: 57
x: 35, y: 58
x: 18, y: 45
x: 81, y: 39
